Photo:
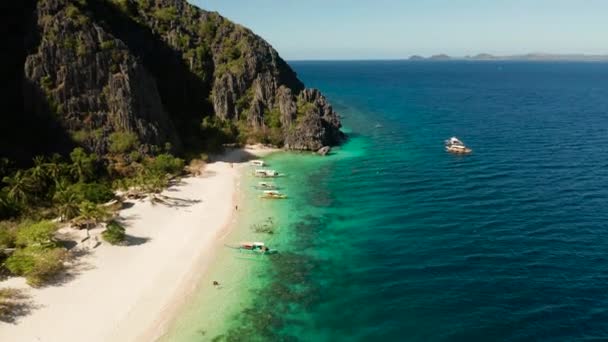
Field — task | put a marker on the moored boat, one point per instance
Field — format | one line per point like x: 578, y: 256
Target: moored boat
x: 273, y: 194
x: 253, y: 248
x: 454, y: 145
x: 266, y: 173
x: 266, y: 186
x: 257, y: 162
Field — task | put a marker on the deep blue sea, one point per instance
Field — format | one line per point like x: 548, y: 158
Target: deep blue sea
x: 394, y: 239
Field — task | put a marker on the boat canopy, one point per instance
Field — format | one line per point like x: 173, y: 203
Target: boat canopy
x: 252, y: 244
x: 454, y: 140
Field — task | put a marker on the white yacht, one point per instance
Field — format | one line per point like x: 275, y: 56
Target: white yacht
x: 454, y: 145
x: 257, y: 162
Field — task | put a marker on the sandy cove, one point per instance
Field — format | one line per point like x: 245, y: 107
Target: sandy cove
x: 128, y: 293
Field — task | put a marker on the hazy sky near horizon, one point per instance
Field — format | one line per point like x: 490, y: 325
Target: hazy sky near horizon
x: 358, y: 29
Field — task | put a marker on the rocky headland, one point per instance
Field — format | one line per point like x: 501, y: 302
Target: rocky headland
x: 169, y: 73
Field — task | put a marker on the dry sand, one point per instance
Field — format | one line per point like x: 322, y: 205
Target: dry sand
x: 127, y: 293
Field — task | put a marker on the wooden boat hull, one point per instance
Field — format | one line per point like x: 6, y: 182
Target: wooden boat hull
x: 459, y: 151
x: 274, y: 197
x: 257, y: 251
x: 252, y: 248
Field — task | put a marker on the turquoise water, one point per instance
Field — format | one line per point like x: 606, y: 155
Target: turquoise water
x: 390, y: 237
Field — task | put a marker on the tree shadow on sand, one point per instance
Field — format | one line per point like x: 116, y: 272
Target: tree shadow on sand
x: 131, y: 240
x: 75, y: 266
x: 14, y: 304
x: 126, y: 205
x: 174, y: 202
x: 233, y: 155
x: 207, y: 174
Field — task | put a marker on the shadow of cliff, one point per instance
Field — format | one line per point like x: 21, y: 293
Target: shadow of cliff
x: 233, y: 155
x: 28, y: 125
x: 183, y: 94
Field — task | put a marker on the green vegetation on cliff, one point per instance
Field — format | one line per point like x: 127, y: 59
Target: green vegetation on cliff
x: 155, y: 69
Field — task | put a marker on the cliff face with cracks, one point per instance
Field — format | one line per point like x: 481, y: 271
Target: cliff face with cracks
x: 157, y: 68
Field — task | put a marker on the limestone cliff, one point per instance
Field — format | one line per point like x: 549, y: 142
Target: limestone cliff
x: 157, y: 68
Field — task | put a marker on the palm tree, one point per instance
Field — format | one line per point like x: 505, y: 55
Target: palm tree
x: 83, y: 165
x: 38, y: 169
x: 18, y: 187
x: 153, y: 183
x: 38, y: 175
x: 55, y: 169
x: 92, y: 214
x: 55, y: 172
x: 68, y: 204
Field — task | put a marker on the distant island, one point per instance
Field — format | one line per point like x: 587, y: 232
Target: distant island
x: 441, y: 57
x: 526, y: 57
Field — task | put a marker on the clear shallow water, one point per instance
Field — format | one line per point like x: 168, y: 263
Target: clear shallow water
x: 392, y: 238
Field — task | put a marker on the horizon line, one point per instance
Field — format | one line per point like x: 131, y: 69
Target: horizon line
x: 452, y: 59
x: 530, y: 56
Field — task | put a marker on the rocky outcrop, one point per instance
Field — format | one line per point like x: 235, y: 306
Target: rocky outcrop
x: 315, y: 124
x: 93, y: 82
x: 156, y: 68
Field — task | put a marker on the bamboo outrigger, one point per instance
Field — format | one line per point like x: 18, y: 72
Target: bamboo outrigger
x: 273, y: 194
x: 257, y: 248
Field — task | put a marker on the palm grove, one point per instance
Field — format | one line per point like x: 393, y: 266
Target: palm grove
x: 74, y: 190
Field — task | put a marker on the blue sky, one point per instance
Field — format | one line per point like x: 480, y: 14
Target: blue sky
x: 357, y: 29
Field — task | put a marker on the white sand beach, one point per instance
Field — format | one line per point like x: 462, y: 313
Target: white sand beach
x: 127, y: 293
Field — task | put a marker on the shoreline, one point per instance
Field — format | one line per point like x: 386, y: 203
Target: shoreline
x: 133, y: 292
x: 190, y: 283
x: 189, y: 286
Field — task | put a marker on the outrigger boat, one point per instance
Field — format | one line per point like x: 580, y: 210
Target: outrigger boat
x: 454, y: 145
x: 273, y: 194
x: 257, y: 162
x: 266, y: 173
x: 266, y: 186
x: 258, y: 248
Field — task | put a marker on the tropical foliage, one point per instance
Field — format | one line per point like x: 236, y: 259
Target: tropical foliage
x: 114, y: 233
x: 73, y: 189
x: 36, y: 234
x: 92, y: 214
x: 36, y: 263
x: 7, y: 235
x: 121, y: 142
x: 83, y: 165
